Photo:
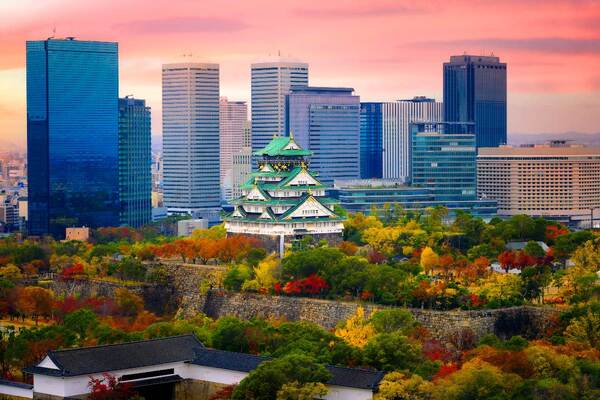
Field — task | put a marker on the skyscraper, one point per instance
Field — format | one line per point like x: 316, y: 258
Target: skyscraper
x: 397, y: 117
x: 242, y: 162
x: 135, y: 159
x: 233, y: 116
x: 191, y: 139
x: 72, y: 134
x: 475, y: 91
x: 326, y: 121
x: 444, y: 162
x: 270, y: 83
x: 371, y: 135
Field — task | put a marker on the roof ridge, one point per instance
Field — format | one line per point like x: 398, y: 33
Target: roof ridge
x: 126, y: 343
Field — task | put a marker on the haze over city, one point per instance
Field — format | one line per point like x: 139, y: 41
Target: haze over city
x: 384, y: 49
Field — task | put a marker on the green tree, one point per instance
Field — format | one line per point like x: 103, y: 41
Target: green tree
x: 268, y: 378
x: 81, y: 322
x: 230, y: 334
x: 393, y: 320
x: 392, y: 352
x: 533, y: 249
x: 298, y: 391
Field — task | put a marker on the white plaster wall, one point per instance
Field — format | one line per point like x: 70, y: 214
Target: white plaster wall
x: 72, y: 386
x: 15, y: 391
x: 345, y: 393
x: 217, y: 375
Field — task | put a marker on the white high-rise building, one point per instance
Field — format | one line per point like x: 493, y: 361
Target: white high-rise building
x: 271, y: 82
x: 242, y: 162
x: 233, y: 116
x: 396, y: 118
x: 190, y: 100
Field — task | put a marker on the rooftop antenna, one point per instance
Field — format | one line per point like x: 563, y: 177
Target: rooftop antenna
x: 53, y: 32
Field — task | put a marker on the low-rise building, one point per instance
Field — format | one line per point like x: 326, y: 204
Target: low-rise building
x: 187, y: 226
x: 171, y: 368
x: 556, y: 180
x: 82, y: 234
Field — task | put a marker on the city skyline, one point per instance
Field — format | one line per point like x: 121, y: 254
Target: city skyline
x: 552, y: 51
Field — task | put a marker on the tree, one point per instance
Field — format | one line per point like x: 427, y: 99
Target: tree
x: 81, y: 322
x: 230, y: 334
x: 429, y: 259
x: 534, y: 281
x: 585, y: 329
x: 476, y: 380
x: 236, y: 276
x: 268, y: 272
x: 109, y: 388
x: 533, y: 249
x: 393, y: 320
x: 11, y: 273
x: 396, y: 386
x: 356, y: 330
x: 306, y: 391
x: 268, y: 378
x: 392, y: 352
x: 129, y: 303
x: 35, y: 301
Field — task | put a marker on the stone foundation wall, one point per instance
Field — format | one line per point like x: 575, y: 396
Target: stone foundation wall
x: 530, y: 322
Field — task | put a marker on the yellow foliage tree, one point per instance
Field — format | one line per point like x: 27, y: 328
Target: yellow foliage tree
x: 397, y: 385
x: 499, y: 286
x: 267, y: 272
x: 361, y: 222
x: 357, y: 330
x: 302, y: 391
x: 429, y: 259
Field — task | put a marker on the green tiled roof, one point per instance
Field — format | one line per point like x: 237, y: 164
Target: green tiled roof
x: 284, y: 201
x: 277, y: 148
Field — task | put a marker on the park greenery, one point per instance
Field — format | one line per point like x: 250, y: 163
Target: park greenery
x: 387, y: 258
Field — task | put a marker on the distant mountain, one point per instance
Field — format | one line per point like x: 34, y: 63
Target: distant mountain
x: 590, y: 139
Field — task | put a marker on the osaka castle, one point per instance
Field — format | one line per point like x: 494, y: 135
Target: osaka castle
x: 283, y: 200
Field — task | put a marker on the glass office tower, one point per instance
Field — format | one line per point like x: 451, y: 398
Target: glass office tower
x: 326, y: 121
x: 72, y: 135
x: 191, y: 150
x: 444, y: 162
x: 475, y: 91
x: 135, y: 159
x: 371, y: 136
x: 270, y: 83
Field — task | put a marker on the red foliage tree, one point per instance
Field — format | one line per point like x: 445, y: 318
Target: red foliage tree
x: 109, y: 388
x: 445, y: 370
x: 507, y: 260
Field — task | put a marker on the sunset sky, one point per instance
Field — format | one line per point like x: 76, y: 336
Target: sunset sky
x: 386, y: 50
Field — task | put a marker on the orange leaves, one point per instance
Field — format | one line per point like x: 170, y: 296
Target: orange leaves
x: 225, y: 250
x: 34, y: 301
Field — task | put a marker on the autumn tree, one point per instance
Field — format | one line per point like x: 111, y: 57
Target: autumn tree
x: 35, y: 301
x: 129, y: 303
x: 397, y: 385
x: 297, y: 391
x: 356, y: 330
x: 429, y: 260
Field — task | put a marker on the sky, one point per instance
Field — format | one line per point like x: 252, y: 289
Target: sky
x: 386, y: 50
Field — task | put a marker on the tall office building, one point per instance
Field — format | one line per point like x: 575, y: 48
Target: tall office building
x: 371, y: 136
x: 444, y: 162
x: 326, y: 121
x: 475, y: 91
x: 135, y: 159
x: 242, y: 162
x: 72, y: 134
x: 397, y: 117
x: 191, y: 139
x: 233, y: 116
x: 270, y: 83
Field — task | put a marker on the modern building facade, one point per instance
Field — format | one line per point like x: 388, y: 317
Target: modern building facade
x: 326, y: 121
x: 191, y: 151
x: 554, y: 180
x: 242, y: 162
x: 233, y: 116
x: 270, y: 83
x: 396, y: 119
x: 362, y: 195
x: 135, y: 159
x: 475, y: 91
x: 444, y: 162
x: 72, y: 135
x: 371, y: 137
x: 283, y: 200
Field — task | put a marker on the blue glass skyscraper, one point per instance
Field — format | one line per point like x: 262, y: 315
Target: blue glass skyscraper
x: 444, y: 162
x: 371, y: 140
x: 72, y: 135
x: 135, y: 159
x: 326, y: 121
x: 475, y: 91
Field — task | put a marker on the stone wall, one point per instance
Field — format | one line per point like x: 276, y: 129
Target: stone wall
x: 527, y: 321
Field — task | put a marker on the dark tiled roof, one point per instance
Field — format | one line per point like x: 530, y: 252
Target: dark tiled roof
x: 89, y: 360
x: 354, y: 377
x: 227, y: 360
x: 348, y: 377
x: 19, y: 385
